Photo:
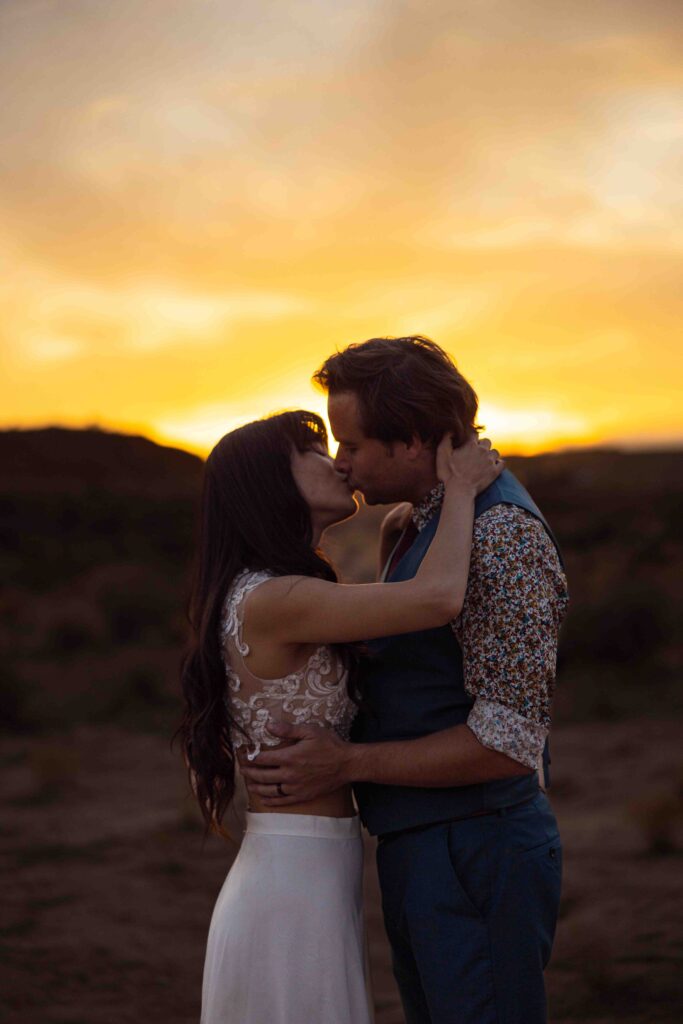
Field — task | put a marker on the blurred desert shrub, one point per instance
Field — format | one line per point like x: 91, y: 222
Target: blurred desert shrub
x: 624, y: 628
x: 585, y: 949
x: 617, y: 517
x: 95, y: 538
x: 62, y: 535
x: 16, y: 712
x: 618, y: 656
x: 659, y: 818
x: 136, y: 603
x: 140, y: 699
x: 68, y: 637
x: 55, y: 766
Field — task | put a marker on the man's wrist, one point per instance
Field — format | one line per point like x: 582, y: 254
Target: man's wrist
x: 357, y: 762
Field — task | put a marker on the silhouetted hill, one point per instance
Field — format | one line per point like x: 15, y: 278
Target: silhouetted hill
x: 96, y: 536
x: 71, y: 500
x: 56, y: 458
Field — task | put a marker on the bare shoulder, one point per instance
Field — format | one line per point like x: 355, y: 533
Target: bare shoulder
x: 269, y: 598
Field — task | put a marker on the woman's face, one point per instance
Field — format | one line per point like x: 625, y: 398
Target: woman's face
x: 323, y: 487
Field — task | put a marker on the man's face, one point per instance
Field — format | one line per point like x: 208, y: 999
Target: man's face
x: 383, y: 473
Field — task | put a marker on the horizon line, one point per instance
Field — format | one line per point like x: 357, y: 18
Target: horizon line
x: 618, y: 446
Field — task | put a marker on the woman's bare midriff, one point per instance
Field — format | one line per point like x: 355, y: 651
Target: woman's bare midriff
x: 333, y: 805
x: 338, y: 804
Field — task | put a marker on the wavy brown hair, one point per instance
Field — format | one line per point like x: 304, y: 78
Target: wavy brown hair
x: 252, y: 517
x: 405, y: 387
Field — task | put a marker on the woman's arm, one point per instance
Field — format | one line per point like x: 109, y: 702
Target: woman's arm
x: 299, y: 609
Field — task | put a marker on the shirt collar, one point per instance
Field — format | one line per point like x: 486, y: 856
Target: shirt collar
x: 428, y: 507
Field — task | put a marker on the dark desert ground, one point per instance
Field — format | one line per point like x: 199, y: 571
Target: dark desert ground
x: 107, y: 883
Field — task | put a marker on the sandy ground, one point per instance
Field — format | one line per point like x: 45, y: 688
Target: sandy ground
x: 108, y: 887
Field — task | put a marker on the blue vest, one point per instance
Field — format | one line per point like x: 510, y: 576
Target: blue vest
x: 413, y: 685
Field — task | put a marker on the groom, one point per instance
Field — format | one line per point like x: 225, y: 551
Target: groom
x: 450, y: 744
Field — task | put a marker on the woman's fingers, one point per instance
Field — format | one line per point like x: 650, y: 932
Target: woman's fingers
x: 444, y: 454
x: 476, y: 462
x: 444, y: 450
x: 485, y: 444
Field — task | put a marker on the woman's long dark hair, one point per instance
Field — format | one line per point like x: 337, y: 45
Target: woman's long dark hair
x: 252, y: 517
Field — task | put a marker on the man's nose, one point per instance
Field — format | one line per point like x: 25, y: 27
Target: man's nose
x: 341, y: 462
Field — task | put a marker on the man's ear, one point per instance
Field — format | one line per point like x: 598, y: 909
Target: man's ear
x: 417, y: 449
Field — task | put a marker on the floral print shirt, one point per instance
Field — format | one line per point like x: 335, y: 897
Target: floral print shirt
x: 508, y: 629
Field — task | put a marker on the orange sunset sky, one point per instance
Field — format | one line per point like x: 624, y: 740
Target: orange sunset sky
x: 201, y: 199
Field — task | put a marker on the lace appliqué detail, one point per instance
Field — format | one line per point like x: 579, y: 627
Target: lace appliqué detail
x: 315, y: 694
x: 231, y: 625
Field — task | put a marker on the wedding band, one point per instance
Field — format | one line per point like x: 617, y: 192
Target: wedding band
x: 280, y: 791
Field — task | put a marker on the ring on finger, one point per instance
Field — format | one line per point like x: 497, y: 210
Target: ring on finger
x: 280, y: 790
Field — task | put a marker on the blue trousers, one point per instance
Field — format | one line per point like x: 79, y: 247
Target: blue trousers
x: 470, y: 908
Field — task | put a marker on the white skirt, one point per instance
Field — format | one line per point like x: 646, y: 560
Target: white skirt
x: 286, y: 943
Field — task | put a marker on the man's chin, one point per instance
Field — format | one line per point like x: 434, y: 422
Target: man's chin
x: 368, y: 498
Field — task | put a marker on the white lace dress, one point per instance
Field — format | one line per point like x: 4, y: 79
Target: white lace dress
x: 286, y: 942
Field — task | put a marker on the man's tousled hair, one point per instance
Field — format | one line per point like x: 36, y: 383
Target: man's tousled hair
x: 405, y: 387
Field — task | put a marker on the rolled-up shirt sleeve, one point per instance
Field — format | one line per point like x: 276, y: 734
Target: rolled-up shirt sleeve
x: 508, y: 630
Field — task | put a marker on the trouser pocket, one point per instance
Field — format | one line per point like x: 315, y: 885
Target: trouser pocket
x: 470, y: 860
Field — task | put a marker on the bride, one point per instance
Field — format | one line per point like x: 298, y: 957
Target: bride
x: 275, y: 637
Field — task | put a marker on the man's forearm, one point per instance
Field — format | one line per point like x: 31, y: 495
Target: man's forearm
x: 452, y: 757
